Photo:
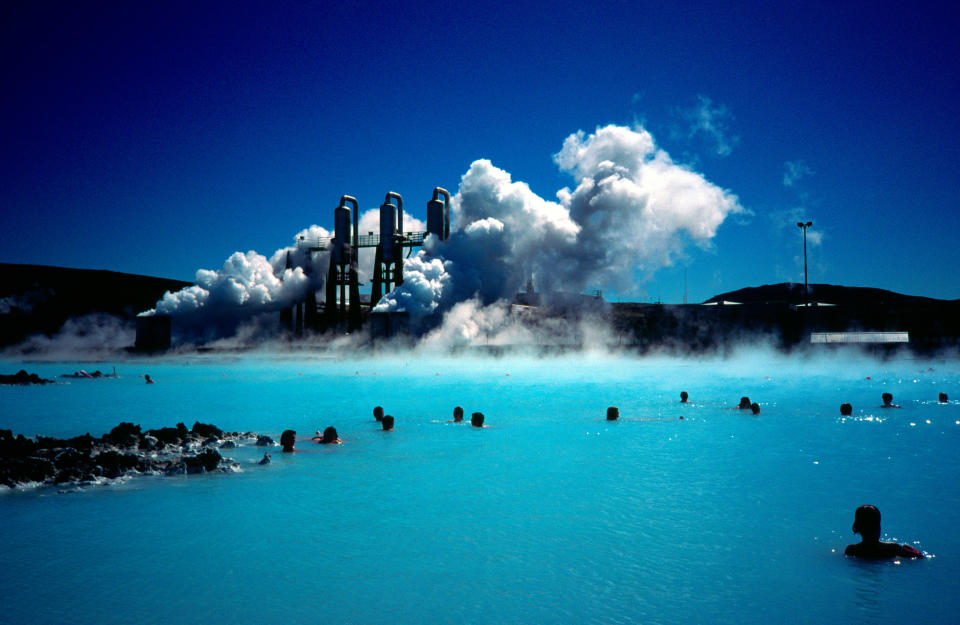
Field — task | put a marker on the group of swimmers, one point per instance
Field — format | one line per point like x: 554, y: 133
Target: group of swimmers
x: 866, y: 518
x: 329, y: 436
x: 846, y: 409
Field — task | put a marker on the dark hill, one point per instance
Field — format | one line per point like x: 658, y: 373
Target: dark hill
x: 792, y: 293
x: 38, y: 298
x: 775, y: 311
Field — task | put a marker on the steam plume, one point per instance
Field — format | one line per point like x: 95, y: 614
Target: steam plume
x: 633, y: 210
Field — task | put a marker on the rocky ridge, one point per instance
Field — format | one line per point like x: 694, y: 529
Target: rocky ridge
x: 124, y: 451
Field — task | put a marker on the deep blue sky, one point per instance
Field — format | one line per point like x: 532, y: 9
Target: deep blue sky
x: 158, y: 138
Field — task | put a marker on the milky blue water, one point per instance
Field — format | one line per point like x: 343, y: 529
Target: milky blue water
x: 551, y: 515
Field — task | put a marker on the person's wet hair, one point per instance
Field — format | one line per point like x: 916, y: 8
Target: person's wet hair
x: 613, y: 413
x: 755, y: 408
x: 378, y: 413
x: 887, y: 399
x: 287, y: 439
x: 388, y: 422
x: 866, y: 521
x: 744, y: 403
x: 683, y: 397
x: 846, y: 409
x: 458, y: 414
x: 476, y: 419
x: 942, y: 398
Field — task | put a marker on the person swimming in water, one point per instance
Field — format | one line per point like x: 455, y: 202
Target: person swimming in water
x: 329, y: 436
x: 476, y: 420
x: 378, y: 413
x: 888, y: 401
x: 846, y: 409
x: 755, y: 408
x: 744, y: 403
x: 684, y: 396
x: 457, y: 415
x: 287, y: 439
x: 866, y: 522
x: 613, y: 413
x: 387, y: 422
x: 942, y: 398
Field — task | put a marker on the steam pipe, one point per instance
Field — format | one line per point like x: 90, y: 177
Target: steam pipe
x: 446, y: 209
x: 356, y: 218
x: 386, y: 200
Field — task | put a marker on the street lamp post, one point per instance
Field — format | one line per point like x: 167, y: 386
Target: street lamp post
x: 806, y: 291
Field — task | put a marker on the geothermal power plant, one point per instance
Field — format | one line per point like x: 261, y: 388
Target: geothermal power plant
x: 786, y: 314
x: 342, y: 307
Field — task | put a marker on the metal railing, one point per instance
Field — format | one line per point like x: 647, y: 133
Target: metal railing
x: 409, y: 239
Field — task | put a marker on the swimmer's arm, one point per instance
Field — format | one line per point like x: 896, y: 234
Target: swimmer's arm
x: 909, y: 552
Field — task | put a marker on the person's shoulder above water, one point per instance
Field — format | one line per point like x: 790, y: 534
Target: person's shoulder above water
x: 882, y: 551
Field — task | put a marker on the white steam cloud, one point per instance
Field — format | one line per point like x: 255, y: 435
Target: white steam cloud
x: 794, y: 171
x: 247, y: 286
x: 633, y: 211
x: 712, y: 123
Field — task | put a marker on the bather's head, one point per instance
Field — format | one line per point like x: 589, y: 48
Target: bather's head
x: 846, y: 409
x: 755, y: 408
x: 942, y: 398
x: 744, y: 403
x: 458, y: 414
x: 287, y: 439
x: 329, y: 435
x: 866, y: 522
x: 613, y: 413
x: 887, y: 399
x: 476, y: 419
x: 684, y: 396
x: 388, y: 422
x: 378, y: 413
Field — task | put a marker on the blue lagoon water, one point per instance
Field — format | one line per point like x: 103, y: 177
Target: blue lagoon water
x: 551, y: 515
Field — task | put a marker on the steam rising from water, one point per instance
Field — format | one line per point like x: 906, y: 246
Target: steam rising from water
x: 631, y: 212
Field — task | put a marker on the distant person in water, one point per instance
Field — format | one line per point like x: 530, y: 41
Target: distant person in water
x: 846, y: 410
x: 866, y: 522
x: 378, y: 413
x: 684, y: 397
x: 328, y: 437
x: 476, y: 420
x: 755, y: 408
x: 888, y: 401
x: 613, y: 413
x: 148, y: 379
x: 744, y: 403
x: 457, y: 414
x: 387, y: 422
x: 942, y: 398
x: 287, y: 439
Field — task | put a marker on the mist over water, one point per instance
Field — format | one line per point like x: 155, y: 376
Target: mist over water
x: 552, y: 514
